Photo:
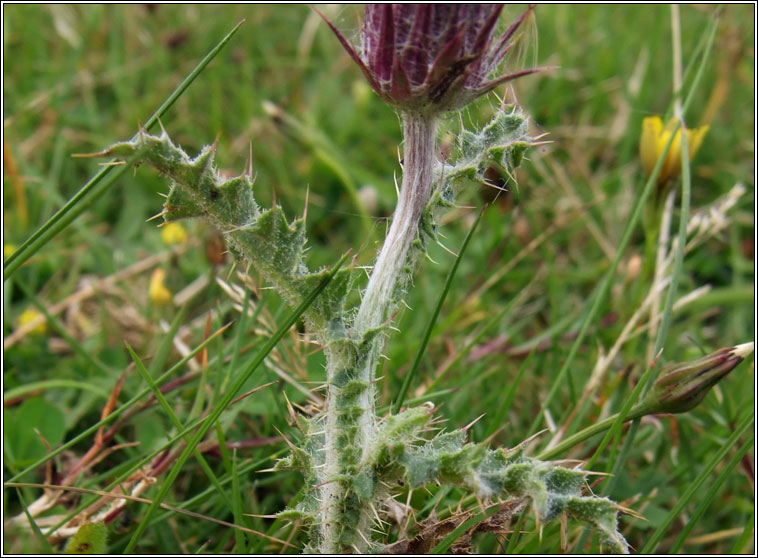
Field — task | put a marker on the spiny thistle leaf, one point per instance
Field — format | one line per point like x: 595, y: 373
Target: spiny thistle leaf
x: 263, y: 238
x: 553, y: 490
x: 501, y: 144
x: 308, y: 460
x: 398, y: 453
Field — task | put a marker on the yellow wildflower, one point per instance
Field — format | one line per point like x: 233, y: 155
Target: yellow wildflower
x: 158, y: 293
x: 31, y: 315
x: 8, y: 249
x: 654, y: 139
x: 173, y: 233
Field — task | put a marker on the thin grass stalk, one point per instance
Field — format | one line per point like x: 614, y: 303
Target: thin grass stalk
x: 707, y: 499
x: 695, y: 486
x: 670, y: 295
x: 602, y: 289
x: 177, y: 423
x: 433, y: 320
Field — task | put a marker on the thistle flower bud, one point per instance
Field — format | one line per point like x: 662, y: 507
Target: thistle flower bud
x: 432, y: 58
x: 681, y: 387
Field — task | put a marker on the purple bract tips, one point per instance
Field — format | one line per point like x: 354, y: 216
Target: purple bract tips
x: 432, y: 58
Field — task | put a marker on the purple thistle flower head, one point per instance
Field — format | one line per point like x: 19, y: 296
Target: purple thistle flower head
x: 432, y: 57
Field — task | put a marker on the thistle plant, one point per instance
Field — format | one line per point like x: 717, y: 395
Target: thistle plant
x: 425, y: 61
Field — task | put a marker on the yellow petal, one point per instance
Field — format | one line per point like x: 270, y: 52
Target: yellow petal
x: 31, y: 315
x: 654, y: 139
x: 157, y: 291
x: 673, y: 164
x: 173, y: 233
x: 652, y: 127
x: 668, y: 169
x: 695, y: 139
x: 672, y: 125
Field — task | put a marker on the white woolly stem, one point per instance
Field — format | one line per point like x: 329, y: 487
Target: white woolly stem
x: 351, y: 420
x: 419, y: 132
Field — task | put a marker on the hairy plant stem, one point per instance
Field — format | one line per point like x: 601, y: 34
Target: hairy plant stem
x: 351, y: 417
x: 419, y: 133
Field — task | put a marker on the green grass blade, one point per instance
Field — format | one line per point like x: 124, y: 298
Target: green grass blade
x: 226, y: 479
x: 147, y: 459
x: 710, y: 495
x: 479, y: 335
x: 741, y: 545
x: 240, y: 328
x: 693, y: 488
x: 511, y: 391
x: 47, y: 384
x: 167, y: 342
x: 115, y: 414
x: 516, y: 534
x: 576, y: 439
x: 621, y: 416
x: 615, y: 431
x: 98, y: 184
x: 239, y: 537
x: 598, y: 296
x: 35, y: 528
x: 428, y: 333
x: 223, y: 450
x: 175, y: 420
x: 135, y: 466
x: 713, y: 26
x: 676, y: 273
x: 236, y: 386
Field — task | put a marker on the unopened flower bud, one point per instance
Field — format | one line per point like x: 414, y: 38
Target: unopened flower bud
x: 681, y: 387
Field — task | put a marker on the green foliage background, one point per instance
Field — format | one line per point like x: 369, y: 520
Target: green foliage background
x: 78, y: 78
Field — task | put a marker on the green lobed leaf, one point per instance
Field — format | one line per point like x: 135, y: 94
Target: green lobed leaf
x: 263, y: 238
